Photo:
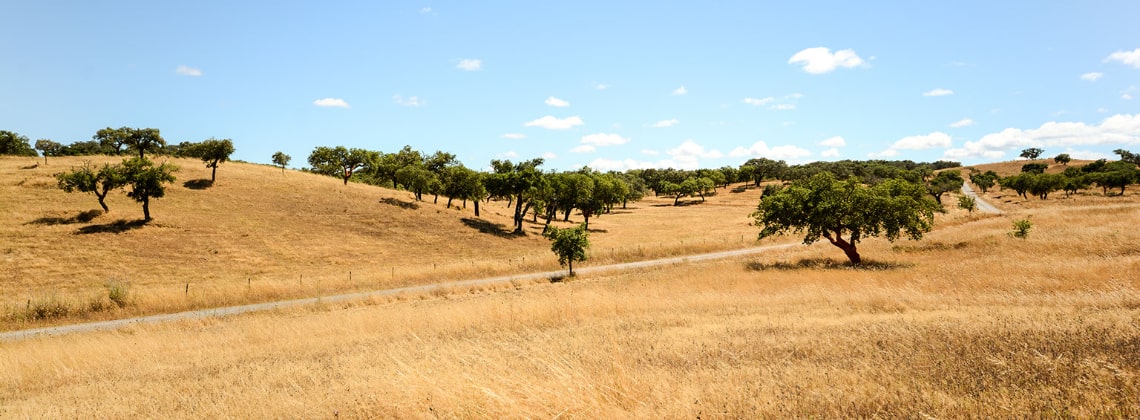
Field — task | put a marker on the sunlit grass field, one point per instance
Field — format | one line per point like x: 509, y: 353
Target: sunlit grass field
x: 969, y: 322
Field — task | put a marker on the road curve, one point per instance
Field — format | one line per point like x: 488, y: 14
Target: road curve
x: 267, y: 306
x: 981, y: 204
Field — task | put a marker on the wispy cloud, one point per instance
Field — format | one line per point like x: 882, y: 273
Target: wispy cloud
x: 584, y: 148
x: 783, y: 107
x: 665, y: 123
x: 604, y: 139
x: 965, y: 122
x: 758, y: 101
x: 411, y: 101
x: 188, y: 71
x: 1120, y: 129
x: 331, y: 103
x: 680, y: 91
x: 1131, y: 58
x: 834, y: 142
x: 601, y: 86
x: 514, y: 136
x: 820, y: 60
x: 761, y: 149
x: 549, y: 122
x: 938, y: 92
x: 470, y: 64
x: 1092, y: 77
x: 555, y: 102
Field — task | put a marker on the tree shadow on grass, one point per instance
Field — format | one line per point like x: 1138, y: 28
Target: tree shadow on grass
x: 484, y: 226
x: 404, y: 205
x: 118, y: 226
x: 198, y: 184
x: 82, y: 217
x: 826, y: 264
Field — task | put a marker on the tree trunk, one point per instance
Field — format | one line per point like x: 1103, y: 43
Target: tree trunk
x: 101, y: 203
x: 570, y: 263
x: 518, y: 215
x: 677, y: 200
x: 146, y: 209
x: 847, y: 247
x: 346, y: 179
x: 476, y: 208
x: 566, y: 217
x: 213, y: 173
x: 449, y: 202
x: 436, y: 200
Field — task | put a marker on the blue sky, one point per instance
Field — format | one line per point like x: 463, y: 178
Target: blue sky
x: 613, y: 85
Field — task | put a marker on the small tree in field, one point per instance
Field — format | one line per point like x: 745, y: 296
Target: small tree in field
x: 100, y: 182
x: 1063, y: 159
x: 569, y: 244
x: 1032, y: 153
x: 48, y: 148
x: 147, y: 181
x: 967, y: 203
x: 281, y: 159
x: 212, y: 152
x: 845, y: 212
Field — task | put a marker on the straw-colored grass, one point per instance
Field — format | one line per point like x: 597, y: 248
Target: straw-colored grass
x: 260, y: 235
x: 969, y: 322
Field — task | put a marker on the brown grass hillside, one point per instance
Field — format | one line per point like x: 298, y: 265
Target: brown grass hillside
x: 258, y: 235
x: 968, y: 322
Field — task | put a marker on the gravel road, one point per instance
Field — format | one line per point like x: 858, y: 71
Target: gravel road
x: 259, y: 307
x: 981, y: 204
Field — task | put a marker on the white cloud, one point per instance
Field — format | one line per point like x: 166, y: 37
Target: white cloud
x: 514, y: 136
x: 783, y: 107
x: 584, y: 148
x: 929, y: 141
x: 834, y: 142
x: 411, y: 101
x: 680, y: 91
x: 550, y: 123
x: 938, y: 92
x: 470, y: 64
x: 1102, y: 110
x: 331, y: 103
x: 820, y: 60
x: 761, y: 149
x: 665, y: 123
x: 758, y: 102
x: 603, y: 139
x: 1131, y: 58
x: 509, y: 154
x: 650, y: 152
x: 601, y: 86
x: 965, y: 122
x: 830, y: 153
x: 188, y: 71
x: 425, y: 10
x: 555, y: 102
x: 603, y: 164
x: 1092, y: 77
x: 687, y: 155
x: 793, y: 96
x: 549, y: 155
x: 1120, y: 129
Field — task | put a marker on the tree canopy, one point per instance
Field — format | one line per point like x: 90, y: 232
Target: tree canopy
x: 341, y: 161
x: 845, y: 212
x: 14, y: 144
x: 569, y: 244
x: 281, y: 159
x: 147, y: 181
x: 212, y: 152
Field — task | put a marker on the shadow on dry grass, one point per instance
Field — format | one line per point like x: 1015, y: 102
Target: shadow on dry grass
x: 826, y: 264
x: 118, y: 226
x: 82, y: 217
x: 484, y: 226
x: 198, y: 184
x: 401, y: 204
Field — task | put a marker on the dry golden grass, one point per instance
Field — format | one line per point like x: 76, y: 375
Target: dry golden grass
x: 260, y: 235
x: 966, y: 323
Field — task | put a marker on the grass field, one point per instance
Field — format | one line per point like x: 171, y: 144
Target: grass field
x: 968, y: 322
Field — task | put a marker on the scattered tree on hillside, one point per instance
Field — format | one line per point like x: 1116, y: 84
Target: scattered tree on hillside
x: 1034, y: 168
x: 985, y: 180
x: 342, y: 162
x: 281, y: 159
x: 759, y: 169
x: 141, y: 140
x: 147, y: 181
x: 1063, y: 159
x: 944, y: 182
x: 570, y: 244
x: 1127, y: 156
x: 14, y: 144
x: 391, y: 163
x: 88, y: 180
x: 212, y: 152
x: 48, y: 148
x: 517, y: 182
x: 967, y: 203
x: 822, y: 206
x: 1032, y: 153
x: 112, y: 139
x: 462, y: 183
x: 417, y: 179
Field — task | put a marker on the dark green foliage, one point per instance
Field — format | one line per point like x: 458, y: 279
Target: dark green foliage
x: 945, y: 164
x: 100, y: 182
x: 1063, y: 159
x: 967, y: 203
x: 342, y: 162
x: 1034, y: 168
x: 147, y: 181
x: 519, y: 183
x: 1021, y: 228
x: 140, y: 140
x: 281, y: 159
x: 569, y: 244
x: 822, y: 206
x: 15, y: 144
x: 759, y: 169
x: 212, y: 152
x: 48, y: 148
x: 1032, y: 153
x: 984, y: 181
x: 1127, y: 156
x: 944, y: 182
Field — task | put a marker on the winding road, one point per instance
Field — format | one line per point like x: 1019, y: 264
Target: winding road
x: 978, y: 201
x: 268, y: 306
